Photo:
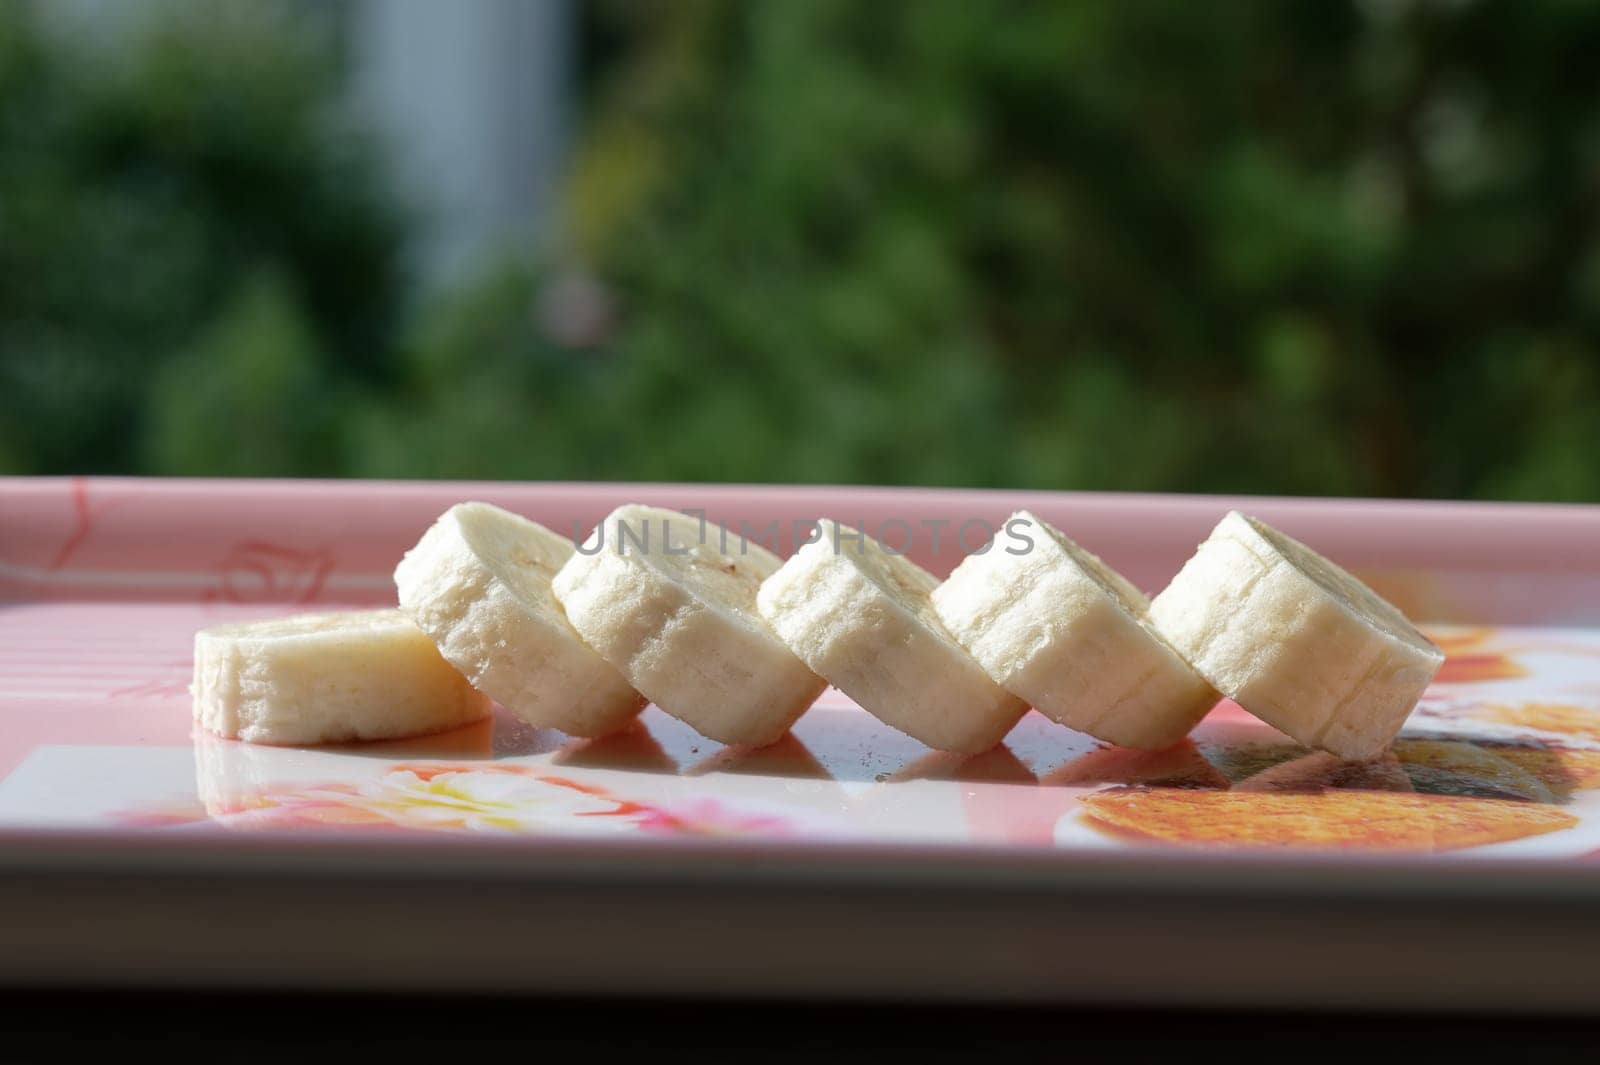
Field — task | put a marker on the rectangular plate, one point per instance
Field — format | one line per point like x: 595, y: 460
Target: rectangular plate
x: 846, y: 860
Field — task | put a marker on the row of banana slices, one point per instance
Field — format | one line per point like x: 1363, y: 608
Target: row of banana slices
x: 658, y: 606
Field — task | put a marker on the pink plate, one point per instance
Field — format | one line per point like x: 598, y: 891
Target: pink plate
x: 845, y: 860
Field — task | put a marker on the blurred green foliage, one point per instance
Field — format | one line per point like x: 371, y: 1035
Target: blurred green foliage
x: 1269, y: 246
x: 1277, y: 247
x: 196, y: 258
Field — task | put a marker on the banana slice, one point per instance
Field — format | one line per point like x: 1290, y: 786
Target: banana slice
x: 325, y: 678
x: 1061, y: 629
x: 1296, y: 640
x: 478, y: 583
x: 861, y: 617
x: 671, y: 604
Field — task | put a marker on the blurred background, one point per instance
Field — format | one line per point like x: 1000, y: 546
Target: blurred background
x: 1290, y: 247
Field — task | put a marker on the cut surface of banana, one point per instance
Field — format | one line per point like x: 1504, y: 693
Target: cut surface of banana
x: 478, y: 583
x: 327, y: 678
x: 671, y: 603
x: 1296, y: 640
x: 1053, y: 624
x: 860, y: 616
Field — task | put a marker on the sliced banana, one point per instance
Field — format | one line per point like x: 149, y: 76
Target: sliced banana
x: 861, y: 617
x: 671, y: 604
x: 326, y: 678
x: 1296, y: 640
x: 478, y: 583
x: 1053, y: 624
